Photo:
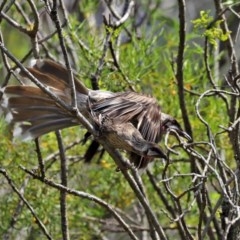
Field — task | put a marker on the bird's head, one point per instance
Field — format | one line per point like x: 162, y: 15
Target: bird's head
x: 170, y: 124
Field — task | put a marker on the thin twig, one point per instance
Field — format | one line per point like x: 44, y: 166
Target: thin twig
x: 179, y: 70
x: 64, y: 182
x: 86, y: 196
x: 30, y: 208
x: 40, y: 160
x: 55, y: 19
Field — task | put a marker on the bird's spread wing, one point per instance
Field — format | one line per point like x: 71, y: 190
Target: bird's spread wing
x: 142, y: 111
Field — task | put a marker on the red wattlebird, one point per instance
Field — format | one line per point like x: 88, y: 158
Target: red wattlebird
x: 132, y: 122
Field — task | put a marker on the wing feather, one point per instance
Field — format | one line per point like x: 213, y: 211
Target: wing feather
x: 141, y: 110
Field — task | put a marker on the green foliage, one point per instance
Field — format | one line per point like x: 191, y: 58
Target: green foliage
x: 210, y: 28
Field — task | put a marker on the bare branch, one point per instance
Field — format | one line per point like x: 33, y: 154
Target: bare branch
x: 87, y: 196
x: 30, y: 208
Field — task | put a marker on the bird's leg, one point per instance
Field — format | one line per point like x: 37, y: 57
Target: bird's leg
x: 87, y: 135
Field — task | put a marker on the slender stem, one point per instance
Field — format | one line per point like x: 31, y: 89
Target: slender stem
x: 30, y: 208
x: 63, y: 194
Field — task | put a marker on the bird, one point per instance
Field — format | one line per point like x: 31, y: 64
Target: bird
x: 131, y: 121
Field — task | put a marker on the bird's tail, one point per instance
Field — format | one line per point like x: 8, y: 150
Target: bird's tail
x: 31, y: 111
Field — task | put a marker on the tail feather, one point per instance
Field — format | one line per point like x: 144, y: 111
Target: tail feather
x: 33, y: 116
x: 55, y: 75
x: 19, y: 102
x: 35, y: 93
x: 33, y: 113
x: 30, y: 91
x: 48, y: 80
x: 26, y: 130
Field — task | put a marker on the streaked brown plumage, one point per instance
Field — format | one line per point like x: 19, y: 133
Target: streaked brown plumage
x: 131, y: 121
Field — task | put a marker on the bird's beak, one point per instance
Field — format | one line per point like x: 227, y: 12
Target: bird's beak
x: 185, y: 135
x: 180, y: 132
